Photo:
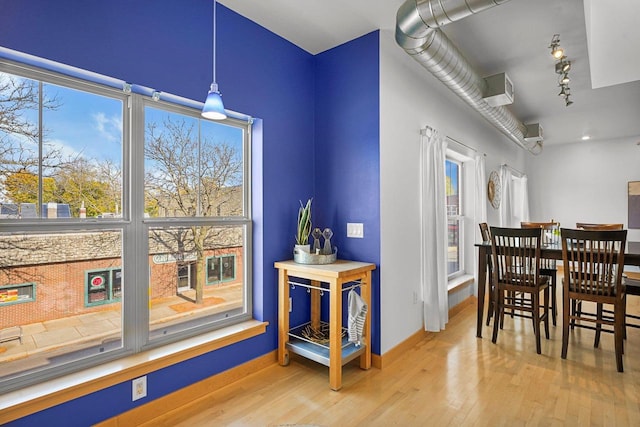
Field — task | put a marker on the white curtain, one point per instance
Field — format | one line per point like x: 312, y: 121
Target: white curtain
x: 514, y: 206
x: 480, y: 205
x: 434, y: 231
x: 506, y: 209
x: 520, y: 200
x: 480, y: 194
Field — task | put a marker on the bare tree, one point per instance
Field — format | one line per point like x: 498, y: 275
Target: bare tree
x: 20, y: 131
x: 187, y: 177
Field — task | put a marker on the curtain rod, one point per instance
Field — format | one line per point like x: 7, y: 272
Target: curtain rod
x: 429, y: 128
x: 514, y: 170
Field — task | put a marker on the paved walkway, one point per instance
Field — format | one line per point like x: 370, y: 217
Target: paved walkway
x: 44, y: 341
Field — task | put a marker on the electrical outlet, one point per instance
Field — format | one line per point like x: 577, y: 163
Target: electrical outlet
x: 139, y: 388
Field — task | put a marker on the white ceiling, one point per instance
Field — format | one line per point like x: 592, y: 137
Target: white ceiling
x: 512, y: 38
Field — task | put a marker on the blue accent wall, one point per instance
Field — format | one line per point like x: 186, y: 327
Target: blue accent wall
x: 317, y: 136
x: 347, y: 152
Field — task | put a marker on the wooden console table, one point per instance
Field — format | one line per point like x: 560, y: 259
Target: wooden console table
x: 330, y: 278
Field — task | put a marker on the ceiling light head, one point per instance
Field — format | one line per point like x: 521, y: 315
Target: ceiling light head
x: 585, y: 137
x: 213, y: 108
x: 563, y: 91
x: 569, y: 102
x: 565, y: 79
x: 556, y: 50
x: 563, y: 66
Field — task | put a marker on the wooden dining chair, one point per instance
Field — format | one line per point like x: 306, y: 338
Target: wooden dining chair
x: 593, y: 263
x: 516, y: 270
x: 576, y: 306
x: 485, y: 233
x: 548, y: 267
x: 598, y: 227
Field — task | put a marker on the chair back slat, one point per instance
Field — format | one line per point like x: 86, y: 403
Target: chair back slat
x: 516, y: 255
x: 593, y: 260
x: 484, y: 232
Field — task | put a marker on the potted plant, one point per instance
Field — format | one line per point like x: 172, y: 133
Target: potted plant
x: 304, y: 226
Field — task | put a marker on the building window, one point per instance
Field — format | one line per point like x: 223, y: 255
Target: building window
x: 221, y: 269
x: 103, y: 286
x: 17, y: 293
x: 455, y: 221
x: 109, y: 196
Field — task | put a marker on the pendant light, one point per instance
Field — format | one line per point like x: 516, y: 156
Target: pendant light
x: 213, y: 108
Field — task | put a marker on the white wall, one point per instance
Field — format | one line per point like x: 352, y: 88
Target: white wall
x: 410, y: 98
x: 584, y: 182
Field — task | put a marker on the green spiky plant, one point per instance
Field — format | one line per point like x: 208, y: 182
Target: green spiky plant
x: 304, y: 223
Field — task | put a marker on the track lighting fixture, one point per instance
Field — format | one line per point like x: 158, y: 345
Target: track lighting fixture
x: 562, y: 67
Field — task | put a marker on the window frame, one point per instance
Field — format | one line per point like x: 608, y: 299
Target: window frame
x: 32, y: 285
x: 460, y: 217
x: 219, y: 258
x: 108, y: 287
x: 132, y: 224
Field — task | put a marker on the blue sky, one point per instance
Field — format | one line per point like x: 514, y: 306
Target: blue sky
x: 91, y: 125
x: 85, y: 123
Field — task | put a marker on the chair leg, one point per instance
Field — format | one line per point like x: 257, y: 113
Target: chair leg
x: 491, y: 307
x: 535, y: 301
x: 565, y: 325
x: 624, y: 316
x: 554, y: 299
x: 546, y: 313
x: 498, y: 314
x: 619, y: 333
x: 596, y: 341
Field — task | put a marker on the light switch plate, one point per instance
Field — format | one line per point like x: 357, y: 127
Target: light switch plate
x: 355, y: 229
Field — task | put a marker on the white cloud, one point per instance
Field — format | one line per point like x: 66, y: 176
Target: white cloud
x: 110, y: 128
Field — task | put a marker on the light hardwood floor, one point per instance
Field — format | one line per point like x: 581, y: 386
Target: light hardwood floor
x: 449, y: 378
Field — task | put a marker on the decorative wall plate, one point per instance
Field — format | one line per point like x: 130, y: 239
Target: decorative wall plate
x: 494, y: 189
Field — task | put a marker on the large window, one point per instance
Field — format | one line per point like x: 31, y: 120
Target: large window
x: 453, y: 171
x: 114, y: 208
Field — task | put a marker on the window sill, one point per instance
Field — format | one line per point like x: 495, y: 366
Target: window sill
x: 459, y: 282
x: 26, y: 401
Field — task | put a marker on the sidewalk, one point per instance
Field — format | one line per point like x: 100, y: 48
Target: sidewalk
x: 47, y: 340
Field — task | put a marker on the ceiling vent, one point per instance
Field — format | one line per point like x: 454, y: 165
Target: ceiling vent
x: 499, y: 90
x: 418, y: 24
x: 534, y: 133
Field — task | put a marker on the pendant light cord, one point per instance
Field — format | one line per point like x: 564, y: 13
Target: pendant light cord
x: 214, y: 41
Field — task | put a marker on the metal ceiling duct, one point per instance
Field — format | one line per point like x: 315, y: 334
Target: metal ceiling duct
x: 418, y: 24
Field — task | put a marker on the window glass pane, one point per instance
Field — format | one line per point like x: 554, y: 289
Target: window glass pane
x: 192, y: 167
x: 213, y: 270
x: 452, y: 170
x: 19, y: 146
x: 180, y: 263
x: 81, y: 159
x: 48, y: 284
x: 85, y: 134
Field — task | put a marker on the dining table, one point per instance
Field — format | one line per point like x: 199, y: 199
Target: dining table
x: 547, y: 251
